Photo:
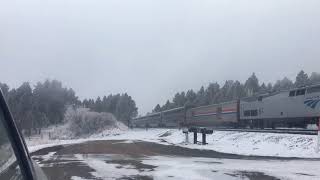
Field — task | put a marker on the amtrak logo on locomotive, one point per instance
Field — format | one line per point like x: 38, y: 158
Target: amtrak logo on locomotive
x: 312, y: 102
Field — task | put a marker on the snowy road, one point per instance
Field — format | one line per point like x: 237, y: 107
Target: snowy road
x: 120, y: 159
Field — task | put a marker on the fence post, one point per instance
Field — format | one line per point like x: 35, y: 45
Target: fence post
x: 318, y: 140
x: 204, y: 141
x: 186, y: 133
x: 187, y: 137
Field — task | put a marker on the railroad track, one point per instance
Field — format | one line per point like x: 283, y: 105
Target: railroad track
x: 278, y: 131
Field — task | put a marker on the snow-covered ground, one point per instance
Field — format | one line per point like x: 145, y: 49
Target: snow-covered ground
x: 61, y: 135
x: 180, y: 168
x: 251, y: 143
x: 243, y: 143
x: 203, y: 168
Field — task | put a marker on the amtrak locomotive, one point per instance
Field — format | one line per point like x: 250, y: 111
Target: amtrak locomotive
x: 298, y: 107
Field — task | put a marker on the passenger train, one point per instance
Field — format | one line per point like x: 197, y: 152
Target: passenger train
x: 298, y: 107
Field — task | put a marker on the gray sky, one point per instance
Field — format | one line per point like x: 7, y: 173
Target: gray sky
x: 154, y: 48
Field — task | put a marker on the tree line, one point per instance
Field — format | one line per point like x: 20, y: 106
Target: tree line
x: 122, y: 106
x: 45, y: 104
x: 233, y: 90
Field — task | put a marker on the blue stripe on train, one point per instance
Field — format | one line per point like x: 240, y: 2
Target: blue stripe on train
x: 312, y: 103
x: 307, y: 101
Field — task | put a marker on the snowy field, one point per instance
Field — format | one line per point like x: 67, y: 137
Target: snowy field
x: 242, y: 143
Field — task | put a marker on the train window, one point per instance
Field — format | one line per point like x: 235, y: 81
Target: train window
x: 260, y: 111
x: 246, y: 113
x: 260, y: 98
x: 301, y: 92
x: 254, y: 112
x: 292, y: 93
x: 313, y: 89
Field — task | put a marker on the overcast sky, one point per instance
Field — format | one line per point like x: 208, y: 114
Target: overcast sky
x: 154, y: 48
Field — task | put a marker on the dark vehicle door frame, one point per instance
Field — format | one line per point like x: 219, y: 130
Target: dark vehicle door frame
x: 17, y: 142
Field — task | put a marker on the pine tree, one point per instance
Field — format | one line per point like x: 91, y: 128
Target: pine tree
x: 238, y: 91
x: 24, y: 107
x: 212, y: 93
x: 301, y: 79
x: 191, y: 97
x: 269, y: 87
x: 314, y: 78
x: 157, y: 108
x: 252, y: 85
x: 201, y: 97
x: 98, y: 107
x: 283, y: 84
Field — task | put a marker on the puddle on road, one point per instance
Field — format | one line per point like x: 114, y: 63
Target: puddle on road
x: 90, y: 166
x: 65, y: 171
x: 303, y: 174
x: 136, y: 164
x: 136, y: 177
x: 208, y: 162
x: 251, y: 175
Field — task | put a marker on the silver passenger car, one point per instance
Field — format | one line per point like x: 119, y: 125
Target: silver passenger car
x: 223, y: 114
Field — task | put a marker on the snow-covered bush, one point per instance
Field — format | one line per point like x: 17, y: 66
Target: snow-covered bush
x: 84, y: 122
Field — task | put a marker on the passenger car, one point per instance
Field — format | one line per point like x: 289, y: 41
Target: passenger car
x: 297, y: 107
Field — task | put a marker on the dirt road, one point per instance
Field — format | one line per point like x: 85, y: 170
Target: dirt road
x: 145, y: 160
